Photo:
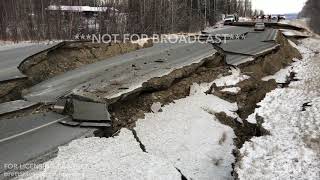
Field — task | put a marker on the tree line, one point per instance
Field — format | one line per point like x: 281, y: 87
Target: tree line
x: 312, y: 10
x: 34, y: 20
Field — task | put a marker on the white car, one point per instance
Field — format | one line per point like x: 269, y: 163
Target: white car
x: 259, y: 26
x: 229, y: 19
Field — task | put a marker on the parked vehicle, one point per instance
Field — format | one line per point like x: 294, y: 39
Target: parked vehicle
x: 230, y: 19
x: 282, y: 17
x: 259, y: 26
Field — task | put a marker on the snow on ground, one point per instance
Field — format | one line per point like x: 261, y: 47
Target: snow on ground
x: 234, y: 90
x: 292, y: 116
x: 281, y: 76
x: 244, y: 19
x: 188, y: 134
x: 106, y: 158
x: 141, y: 42
x: 7, y: 45
x: 185, y: 135
x: 231, y: 80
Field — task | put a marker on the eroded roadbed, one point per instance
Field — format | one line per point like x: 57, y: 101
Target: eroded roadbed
x: 121, y: 74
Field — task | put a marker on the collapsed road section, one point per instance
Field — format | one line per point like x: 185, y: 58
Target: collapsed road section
x: 162, y: 73
x: 128, y: 69
x: 119, y: 75
x: 10, y: 59
x: 253, y: 44
x: 185, y: 131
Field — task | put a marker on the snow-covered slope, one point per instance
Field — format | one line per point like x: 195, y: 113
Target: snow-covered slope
x: 292, y: 116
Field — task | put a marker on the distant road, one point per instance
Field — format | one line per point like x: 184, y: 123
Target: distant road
x: 254, y: 43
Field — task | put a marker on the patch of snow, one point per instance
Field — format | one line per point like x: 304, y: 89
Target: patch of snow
x: 8, y: 45
x: 141, y: 42
x: 244, y: 19
x: 156, y: 107
x: 231, y: 80
x: 188, y: 134
x: 234, y: 90
x: 249, y: 59
x: 291, y: 151
x: 312, y: 44
x: 199, y: 88
x: 106, y: 158
x: 281, y: 76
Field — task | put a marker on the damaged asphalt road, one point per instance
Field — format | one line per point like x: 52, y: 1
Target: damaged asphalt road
x: 10, y: 59
x: 119, y: 75
x: 254, y: 44
x: 113, y: 79
x: 27, y: 138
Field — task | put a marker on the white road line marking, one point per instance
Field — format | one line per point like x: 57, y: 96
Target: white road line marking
x: 31, y: 130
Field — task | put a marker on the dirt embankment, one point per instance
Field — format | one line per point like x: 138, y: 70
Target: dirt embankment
x: 11, y: 90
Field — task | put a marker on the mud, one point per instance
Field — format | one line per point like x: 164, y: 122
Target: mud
x: 71, y: 56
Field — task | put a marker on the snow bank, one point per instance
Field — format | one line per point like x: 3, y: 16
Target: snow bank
x: 7, y: 45
x: 234, y: 90
x: 102, y: 158
x: 281, y: 76
x: 10, y: 45
x: 292, y: 150
x: 141, y: 42
x: 245, y: 19
x: 231, y: 80
x: 188, y: 134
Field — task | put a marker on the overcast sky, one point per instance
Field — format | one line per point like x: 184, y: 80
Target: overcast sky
x: 279, y: 6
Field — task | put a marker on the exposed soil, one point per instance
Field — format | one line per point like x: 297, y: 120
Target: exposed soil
x: 11, y: 90
x: 252, y: 91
